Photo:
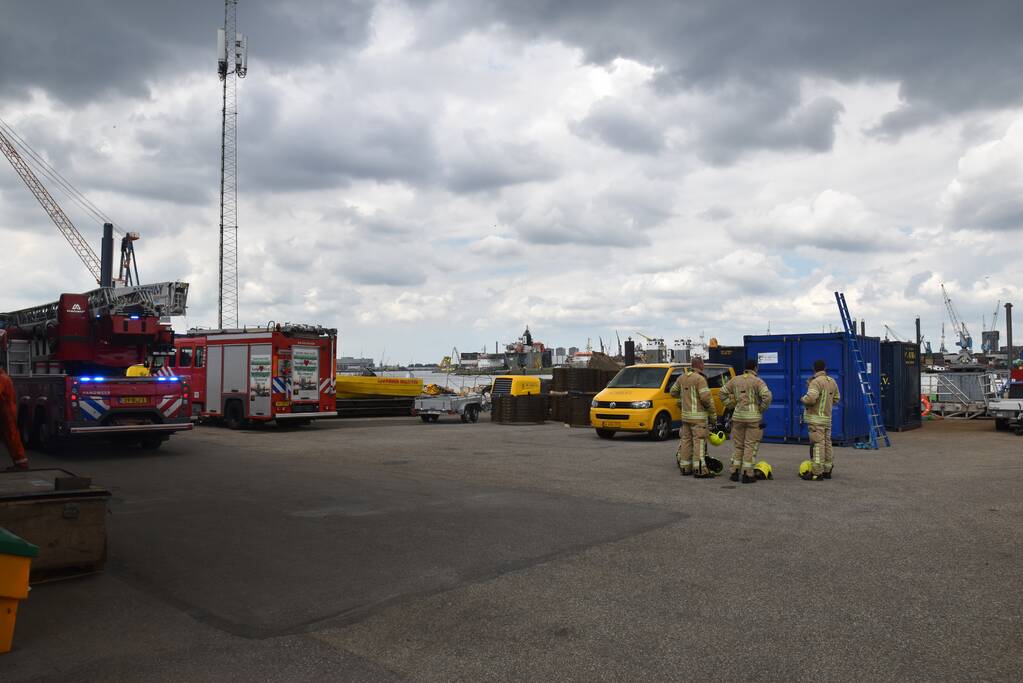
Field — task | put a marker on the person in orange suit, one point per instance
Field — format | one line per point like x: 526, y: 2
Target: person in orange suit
x: 9, y: 412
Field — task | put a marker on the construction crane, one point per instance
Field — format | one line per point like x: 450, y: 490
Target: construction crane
x: 964, y: 341
x: 9, y: 143
x: 895, y: 335
x: 232, y: 63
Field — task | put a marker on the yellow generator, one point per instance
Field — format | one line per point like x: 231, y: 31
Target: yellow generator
x: 514, y: 385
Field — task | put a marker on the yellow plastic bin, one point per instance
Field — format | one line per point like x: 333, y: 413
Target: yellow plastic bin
x: 15, y: 560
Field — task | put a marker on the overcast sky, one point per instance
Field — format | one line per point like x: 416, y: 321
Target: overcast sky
x: 425, y: 175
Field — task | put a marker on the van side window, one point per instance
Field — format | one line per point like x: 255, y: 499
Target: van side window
x: 172, y: 360
x: 671, y: 380
x: 200, y: 356
x: 185, y: 357
x: 716, y: 377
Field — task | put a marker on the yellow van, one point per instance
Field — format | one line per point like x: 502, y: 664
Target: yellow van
x: 514, y: 385
x: 637, y: 399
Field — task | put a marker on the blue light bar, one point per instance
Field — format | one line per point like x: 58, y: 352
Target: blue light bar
x: 174, y: 379
x: 85, y: 379
x: 161, y: 379
x: 133, y: 317
x: 98, y: 379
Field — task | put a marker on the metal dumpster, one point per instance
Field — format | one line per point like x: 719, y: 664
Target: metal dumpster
x: 786, y: 365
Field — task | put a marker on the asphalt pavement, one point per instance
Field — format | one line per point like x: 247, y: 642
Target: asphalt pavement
x: 389, y: 549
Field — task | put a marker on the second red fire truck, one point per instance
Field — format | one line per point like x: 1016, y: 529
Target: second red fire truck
x: 280, y: 373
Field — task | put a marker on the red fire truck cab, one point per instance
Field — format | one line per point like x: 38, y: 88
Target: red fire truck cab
x: 281, y: 373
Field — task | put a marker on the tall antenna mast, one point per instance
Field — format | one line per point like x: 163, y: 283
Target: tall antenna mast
x: 232, y: 58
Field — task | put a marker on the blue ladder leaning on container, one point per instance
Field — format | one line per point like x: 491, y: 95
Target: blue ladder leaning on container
x: 877, y: 429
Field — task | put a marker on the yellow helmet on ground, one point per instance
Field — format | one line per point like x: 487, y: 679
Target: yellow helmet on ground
x: 805, y: 467
x: 763, y: 470
x: 713, y: 464
x: 716, y: 438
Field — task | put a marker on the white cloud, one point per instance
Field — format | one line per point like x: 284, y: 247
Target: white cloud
x: 987, y: 192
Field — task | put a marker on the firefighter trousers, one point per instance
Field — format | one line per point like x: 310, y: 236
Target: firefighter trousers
x: 820, y: 437
x: 745, y: 444
x: 692, y: 446
x: 12, y: 439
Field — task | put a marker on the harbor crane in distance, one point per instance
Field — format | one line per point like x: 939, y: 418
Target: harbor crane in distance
x: 965, y: 340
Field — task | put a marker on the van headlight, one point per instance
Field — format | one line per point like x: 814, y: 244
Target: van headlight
x: 594, y: 403
x: 641, y: 404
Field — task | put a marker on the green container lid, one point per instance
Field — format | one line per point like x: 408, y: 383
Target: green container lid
x: 15, y: 545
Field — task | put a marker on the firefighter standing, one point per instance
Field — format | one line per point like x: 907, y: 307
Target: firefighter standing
x: 821, y: 396
x: 9, y: 412
x: 697, y: 406
x: 748, y: 397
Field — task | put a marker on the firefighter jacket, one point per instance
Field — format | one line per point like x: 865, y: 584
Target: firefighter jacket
x: 821, y: 396
x: 694, y: 396
x: 748, y: 396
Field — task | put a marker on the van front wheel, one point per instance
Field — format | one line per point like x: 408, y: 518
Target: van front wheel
x: 662, y: 427
x: 606, y: 433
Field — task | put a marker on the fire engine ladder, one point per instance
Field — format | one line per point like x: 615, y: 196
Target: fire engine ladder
x: 160, y: 299
x: 877, y: 430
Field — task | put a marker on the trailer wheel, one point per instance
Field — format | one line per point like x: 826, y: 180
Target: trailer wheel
x: 234, y: 417
x: 1002, y: 424
x: 425, y: 418
x: 474, y: 413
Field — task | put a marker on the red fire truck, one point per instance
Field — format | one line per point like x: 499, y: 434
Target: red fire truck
x: 68, y: 361
x: 282, y: 373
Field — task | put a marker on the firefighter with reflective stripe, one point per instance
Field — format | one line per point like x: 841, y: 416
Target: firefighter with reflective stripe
x: 748, y: 397
x: 697, y: 407
x: 820, y: 398
x: 9, y: 412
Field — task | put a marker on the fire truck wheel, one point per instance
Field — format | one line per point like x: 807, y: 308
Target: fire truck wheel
x: 151, y: 443
x: 43, y: 435
x: 233, y: 415
x: 25, y: 428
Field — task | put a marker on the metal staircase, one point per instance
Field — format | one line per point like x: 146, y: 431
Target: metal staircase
x: 877, y: 430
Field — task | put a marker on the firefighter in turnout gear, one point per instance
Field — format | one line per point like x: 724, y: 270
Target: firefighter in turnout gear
x: 697, y: 406
x: 748, y: 397
x: 821, y: 396
x: 9, y: 433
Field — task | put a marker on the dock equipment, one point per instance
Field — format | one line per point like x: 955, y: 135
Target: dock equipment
x: 877, y: 430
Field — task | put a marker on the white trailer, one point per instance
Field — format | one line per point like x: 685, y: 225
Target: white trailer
x: 430, y: 408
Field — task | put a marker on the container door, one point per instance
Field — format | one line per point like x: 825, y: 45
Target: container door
x: 214, y: 373
x: 911, y: 384
x: 305, y: 373
x: 772, y: 354
x: 832, y: 350
x: 260, y: 367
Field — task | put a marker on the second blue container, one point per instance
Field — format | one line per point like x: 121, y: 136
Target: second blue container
x: 786, y: 365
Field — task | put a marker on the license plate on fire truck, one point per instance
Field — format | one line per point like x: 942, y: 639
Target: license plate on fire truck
x: 133, y: 400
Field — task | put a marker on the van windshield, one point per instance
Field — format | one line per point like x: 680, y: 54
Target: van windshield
x: 638, y: 378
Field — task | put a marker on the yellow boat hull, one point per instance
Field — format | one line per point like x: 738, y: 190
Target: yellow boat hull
x: 357, y: 386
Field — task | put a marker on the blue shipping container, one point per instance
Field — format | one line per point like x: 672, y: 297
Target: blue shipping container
x: 786, y: 365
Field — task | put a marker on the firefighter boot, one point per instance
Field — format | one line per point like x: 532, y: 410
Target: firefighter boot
x: 746, y: 479
x: 734, y: 476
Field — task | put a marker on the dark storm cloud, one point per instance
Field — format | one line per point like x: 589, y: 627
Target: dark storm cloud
x: 948, y: 56
x: 618, y: 125
x: 84, y: 51
x: 485, y: 164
